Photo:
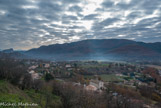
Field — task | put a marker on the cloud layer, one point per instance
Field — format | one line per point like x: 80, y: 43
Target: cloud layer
x: 25, y: 24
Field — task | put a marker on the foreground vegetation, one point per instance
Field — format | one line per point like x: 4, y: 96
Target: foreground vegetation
x: 60, y: 87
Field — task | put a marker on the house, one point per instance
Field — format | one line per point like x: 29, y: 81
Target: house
x: 77, y: 84
x: 98, y: 84
x: 91, y: 88
x: 32, y: 71
x: 159, y: 72
x: 142, y: 84
x: 146, y: 106
x: 152, y: 84
x: 69, y: 69
x: 68, y: 66
x: 101, y: 85
x: 34, y: 75
x: 46, y: 65
x: 33, y: 67
x: 119, y: 74
x: 114, y: 94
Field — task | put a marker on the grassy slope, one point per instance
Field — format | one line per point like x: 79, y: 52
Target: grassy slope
x: 41, y: 97
x: 12, y: 94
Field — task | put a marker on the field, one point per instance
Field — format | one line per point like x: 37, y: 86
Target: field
x: 106, y: 77
x: 111, y: 77
x: 155, y: 66
x: 94, y: 65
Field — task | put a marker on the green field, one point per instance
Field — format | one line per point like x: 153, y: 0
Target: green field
x: 95, y: 66
x: 89, y: 76
x: 106, y: 77
x: 110, y: 78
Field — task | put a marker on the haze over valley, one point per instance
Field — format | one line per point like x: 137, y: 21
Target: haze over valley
x: 80, y: 53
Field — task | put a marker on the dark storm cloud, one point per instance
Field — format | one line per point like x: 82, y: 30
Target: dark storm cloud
x: 150, y: 5
x: 90, y: 17
x: 132, y: 5
x: 147, y: 5
x: 71, y: 1
x: 134, y: 15
x: 75, y: 9
x: 69, y: 17
x: 49, y: 5
x: 108, y: 21
x: 107, y: 3
x: 31, y: 23
x: 100, y: 25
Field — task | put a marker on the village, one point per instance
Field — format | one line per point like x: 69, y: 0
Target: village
x: 119, y: 83
x: 95, y: 76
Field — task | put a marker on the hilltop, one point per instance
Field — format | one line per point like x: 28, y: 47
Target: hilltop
x: 99, y: 49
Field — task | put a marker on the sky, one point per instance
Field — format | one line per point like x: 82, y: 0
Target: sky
x: 26, y: 24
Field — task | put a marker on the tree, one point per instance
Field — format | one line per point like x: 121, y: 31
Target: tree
x: 48, y: 77
x: 38, y: 84
x: 27, y: 82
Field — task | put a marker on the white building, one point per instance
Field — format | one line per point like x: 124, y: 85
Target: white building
x: 33, y: 67
x: 47, y: 65
x: 68, y: 66
x: 91, y: 88
x: 34, y: 75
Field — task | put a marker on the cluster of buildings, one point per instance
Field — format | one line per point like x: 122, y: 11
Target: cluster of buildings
x: 38, y: 69
x: 94, y: 85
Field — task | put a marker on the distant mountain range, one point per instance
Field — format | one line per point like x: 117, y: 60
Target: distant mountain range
x: 10, y: 53
x: 99, y: 49
x: 8, y: 50
x: 96, y: 49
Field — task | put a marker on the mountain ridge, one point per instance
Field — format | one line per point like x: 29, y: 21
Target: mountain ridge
x: 98, y: 48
